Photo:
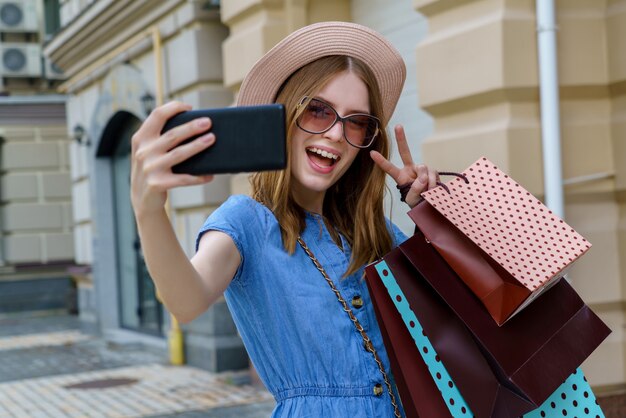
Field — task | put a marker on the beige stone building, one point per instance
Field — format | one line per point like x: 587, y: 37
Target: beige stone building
x: 36, y: 242
x: 472, y: 90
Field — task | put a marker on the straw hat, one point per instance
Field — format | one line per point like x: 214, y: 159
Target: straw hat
x: 320, y: 40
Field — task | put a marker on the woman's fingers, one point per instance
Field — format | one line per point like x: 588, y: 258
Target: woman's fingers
x: 427, y: 177
x: 403, y: 146
x: 177, y: 180
x: 181, y: 153
x: 433, y: 178
x: 153, y: 125
x: 420, y: 176
x: 422, y: 173
x: 386, y: 165
x: 408, y: 172
x: 154, y: 154
x: 175, y: 136
x: 156, y: 151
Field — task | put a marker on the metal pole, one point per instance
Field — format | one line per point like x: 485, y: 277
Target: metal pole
x: 550, y: 114
x: 158, y: 64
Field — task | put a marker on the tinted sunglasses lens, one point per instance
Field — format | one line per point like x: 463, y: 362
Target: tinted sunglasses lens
x: 360, y: 130
x: 317, y: 117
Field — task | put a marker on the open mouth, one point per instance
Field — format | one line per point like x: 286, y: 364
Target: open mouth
x: 321, y: 157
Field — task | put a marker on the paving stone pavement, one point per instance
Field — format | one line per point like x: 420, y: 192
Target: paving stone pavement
x: 48, y: 368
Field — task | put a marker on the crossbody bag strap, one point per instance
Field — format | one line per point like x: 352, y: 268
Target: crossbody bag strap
x: 366, y: 340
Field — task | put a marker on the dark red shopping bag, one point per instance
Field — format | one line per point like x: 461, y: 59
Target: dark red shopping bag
x: 419, y: 394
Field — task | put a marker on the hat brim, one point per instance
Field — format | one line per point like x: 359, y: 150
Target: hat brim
x: 319, y: 40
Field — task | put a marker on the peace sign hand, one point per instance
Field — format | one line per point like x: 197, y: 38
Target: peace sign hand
x: 420, y: 176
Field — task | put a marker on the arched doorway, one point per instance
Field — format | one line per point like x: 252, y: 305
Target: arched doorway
x: 139, y: 308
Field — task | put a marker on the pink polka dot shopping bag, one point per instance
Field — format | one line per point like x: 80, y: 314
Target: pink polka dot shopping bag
x: 505, y: 245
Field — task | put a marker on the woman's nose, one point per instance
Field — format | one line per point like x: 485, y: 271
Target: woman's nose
x: 335, y: 133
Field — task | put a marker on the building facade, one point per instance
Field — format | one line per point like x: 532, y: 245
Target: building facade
x: 36, y: 242
x: 121, y: 58
x: 472, y: 90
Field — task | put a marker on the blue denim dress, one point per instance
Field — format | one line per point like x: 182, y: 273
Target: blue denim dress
x: 303, y: 345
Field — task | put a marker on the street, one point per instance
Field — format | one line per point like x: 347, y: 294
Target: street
x: 49, y: 368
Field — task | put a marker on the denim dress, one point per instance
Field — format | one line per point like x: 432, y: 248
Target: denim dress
x: 306, y: 350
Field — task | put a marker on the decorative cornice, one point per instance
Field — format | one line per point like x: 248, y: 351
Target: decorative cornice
x: 102, y: 27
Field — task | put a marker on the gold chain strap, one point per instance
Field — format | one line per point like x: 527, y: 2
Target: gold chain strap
x: 366, y: 340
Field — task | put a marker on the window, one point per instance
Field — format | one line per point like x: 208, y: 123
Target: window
x: 52, y: 17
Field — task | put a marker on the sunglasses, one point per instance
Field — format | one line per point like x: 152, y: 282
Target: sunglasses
x: 359, y: 129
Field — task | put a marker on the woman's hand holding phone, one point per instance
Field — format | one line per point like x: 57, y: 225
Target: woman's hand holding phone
x: 153, y: 154
x: 185, y: 290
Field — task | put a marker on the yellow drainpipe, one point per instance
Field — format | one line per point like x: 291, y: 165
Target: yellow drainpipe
x: 175, y: 340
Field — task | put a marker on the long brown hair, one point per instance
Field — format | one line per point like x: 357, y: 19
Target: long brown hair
x: 353, y: 206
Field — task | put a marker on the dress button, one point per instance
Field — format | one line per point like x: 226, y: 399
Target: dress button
x: 378, y: 389
x: 357, y: 302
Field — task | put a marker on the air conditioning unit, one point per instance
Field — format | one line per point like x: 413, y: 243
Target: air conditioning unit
x: 18, y: 16
x: 51, y: 71
x: 20, y: 60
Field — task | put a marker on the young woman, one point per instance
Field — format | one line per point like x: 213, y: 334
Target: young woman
x: 287, y: 257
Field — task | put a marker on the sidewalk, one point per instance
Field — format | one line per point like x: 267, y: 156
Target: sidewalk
x: 48, y: 368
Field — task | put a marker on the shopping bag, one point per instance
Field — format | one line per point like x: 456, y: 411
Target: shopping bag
x: 503, y: 242
x: 536, y: 350
x: 572, y: 398
x: 452, y: 345
x: 419, y: 395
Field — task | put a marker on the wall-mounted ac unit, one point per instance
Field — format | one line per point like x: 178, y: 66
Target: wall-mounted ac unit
x: 20, y: 60
x: 51, y: 71
x: 18, y: 16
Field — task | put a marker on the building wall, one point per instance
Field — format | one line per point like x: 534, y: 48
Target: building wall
x: 35, y: 191
x: 36, y: 244
x: 478, y: 78
x: 106, y: 48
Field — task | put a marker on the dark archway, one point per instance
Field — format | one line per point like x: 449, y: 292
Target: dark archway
x: 113, y: 133
x: 139, y: 308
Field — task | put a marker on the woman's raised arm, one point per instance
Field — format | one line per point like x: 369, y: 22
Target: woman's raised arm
x: 187, y: 289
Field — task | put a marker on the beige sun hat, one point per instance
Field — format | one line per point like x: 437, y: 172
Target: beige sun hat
x: 320, y: 40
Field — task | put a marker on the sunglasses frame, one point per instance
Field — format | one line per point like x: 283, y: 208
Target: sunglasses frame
x: 337, y: 119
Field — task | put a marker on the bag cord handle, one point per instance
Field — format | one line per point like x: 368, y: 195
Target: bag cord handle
x: 366, y: 339
x: 404, y: 188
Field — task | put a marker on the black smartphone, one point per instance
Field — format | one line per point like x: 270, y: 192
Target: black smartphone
x: 247, y: 139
